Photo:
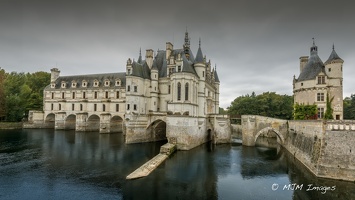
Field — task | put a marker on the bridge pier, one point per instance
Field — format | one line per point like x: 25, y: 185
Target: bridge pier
x: 59, y: 121
x: 81, y: 120
x: 248, y: 130
x: 105, y: 120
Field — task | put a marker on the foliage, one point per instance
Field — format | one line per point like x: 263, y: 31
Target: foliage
x: 349, y: 107
x: 304, y: 112
x: 23, y: 92
x: 222, y: 111
x: 329, y: 110
x: 267, y: 104
x: 2, y: 94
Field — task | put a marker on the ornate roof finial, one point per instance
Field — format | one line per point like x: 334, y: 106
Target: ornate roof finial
x: 333, y: 45
x: 199, y: 42
x: 313, y: 41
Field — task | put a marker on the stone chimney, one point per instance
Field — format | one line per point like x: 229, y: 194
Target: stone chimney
x: 303, y: 62
x: 169, y: 49
x: 149, y: 57
x: 54, y: 74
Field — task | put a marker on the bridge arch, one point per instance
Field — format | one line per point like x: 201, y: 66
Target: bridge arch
x: 49, y: 121
x: 158, y: 130
x: 93, y: 123
x: 70, y: 122
x: 266, y: 130
x: 116, y: 124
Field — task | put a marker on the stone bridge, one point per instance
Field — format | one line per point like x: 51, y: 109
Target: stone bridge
x: 325, y: 147
x: 253, y: 126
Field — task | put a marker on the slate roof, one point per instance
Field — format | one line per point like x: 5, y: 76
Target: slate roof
x: 333, y: 56
x: 216, y: 79
x: 90, y: 78
x: 199, y: 56
x: 313, y: 67
x: 187, y: 65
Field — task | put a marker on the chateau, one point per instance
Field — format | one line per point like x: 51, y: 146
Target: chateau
x: 171, y: 94
x: 317, y: 80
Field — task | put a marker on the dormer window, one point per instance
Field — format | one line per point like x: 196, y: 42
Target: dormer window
x: 73, y: 84
x: 118, y: 83
x: 96, y: 83
x: 52, y: 85
x: 107, y: 83
x: 64, y: 84
x: 321, y: 79
x: 84, y: 83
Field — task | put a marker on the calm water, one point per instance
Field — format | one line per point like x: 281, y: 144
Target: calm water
x: 48, y: 164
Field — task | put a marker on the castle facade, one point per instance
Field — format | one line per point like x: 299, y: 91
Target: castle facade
x: 171, y: 94
x: 318, y: 80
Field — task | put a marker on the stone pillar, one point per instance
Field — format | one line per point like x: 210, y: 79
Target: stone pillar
x: 248, y: 130
x: 81, y: 121
x: 60, y: 121
x: 105, y: 120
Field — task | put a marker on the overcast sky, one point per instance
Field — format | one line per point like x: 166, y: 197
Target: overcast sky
x: 255, y: 44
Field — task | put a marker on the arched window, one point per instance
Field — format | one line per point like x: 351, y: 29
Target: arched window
x: 186, y: 91
x: 179, y: 91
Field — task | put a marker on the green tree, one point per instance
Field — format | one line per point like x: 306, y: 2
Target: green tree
x: 349, y: 107
x: 304, y: 112
x: 329, y: 110
x: 267, y: 104
x: 2, y: 95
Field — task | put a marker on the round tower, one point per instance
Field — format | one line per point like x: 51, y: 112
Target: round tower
x: 154, y: 92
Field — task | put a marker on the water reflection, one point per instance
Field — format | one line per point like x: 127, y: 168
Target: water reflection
x: 37, y: 164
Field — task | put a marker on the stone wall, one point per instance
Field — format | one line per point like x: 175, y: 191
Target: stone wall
x: 10, y: 125
x: 324, y: 147
x: 222, y: 129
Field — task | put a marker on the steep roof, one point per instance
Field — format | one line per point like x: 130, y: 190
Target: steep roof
x: 199, y: 56
x: 313, y: 67
x: 188, y: 65
x: 333, y: 57
x: 215, y: 75
x: 90, y: 78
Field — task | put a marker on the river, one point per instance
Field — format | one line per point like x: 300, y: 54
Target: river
x: 49, y: 164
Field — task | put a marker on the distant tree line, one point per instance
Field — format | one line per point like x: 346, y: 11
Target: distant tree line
x: 267, y: 104
x: 270, y: 104
x: 21, y: 92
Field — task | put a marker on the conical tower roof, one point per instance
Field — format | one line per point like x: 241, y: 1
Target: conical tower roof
x: 333, y: 57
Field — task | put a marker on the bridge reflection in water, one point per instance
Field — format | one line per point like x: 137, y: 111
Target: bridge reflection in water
x: 70, y: 165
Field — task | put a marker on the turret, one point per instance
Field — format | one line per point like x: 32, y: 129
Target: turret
x: 154, y: 86
x: 54, y: 74
x: 334, y: 65
x: 200, y: 65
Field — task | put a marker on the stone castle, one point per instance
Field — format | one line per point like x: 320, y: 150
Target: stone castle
x: 171, y: 94
x: 317, y: 80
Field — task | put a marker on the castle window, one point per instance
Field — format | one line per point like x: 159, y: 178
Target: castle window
x: 73, y: 84
x: 155, y: 76
x: 135, y: 88
x: 320, y: 96
x: 96, y: 83
x: 84, y: 83
x: 72, y: 107
x: 179, y: 69
x: 117, y: 107
x: 53, y: 85
x: 81, y: 107
x: 321, y: 79
x: 63, y: 84
x: 52, y: 95
x: 301, y: 84
x: 118, y: 83
x: 203, y: 74
x: 186, y: 91
x: 135, y: 107
x: 107, y: 83
x: 95, y: 107
x: 52, y: 106
x: 106, y: 95
x: 179, y: 91
x: 169, y: 88
x: 117, y: 95
x: 128, y: 88
x: 341, y: 82
x: 60, y: 107
x: 329, y: 69
x: 95, y: 95
x: 103, y: 107
x: 155, y: 88
x: 128, y: 71
x: 320, y: 113
x: 62, y: 95
x: 73, y: 95
x: 84, y: 95
x: 128, y: 106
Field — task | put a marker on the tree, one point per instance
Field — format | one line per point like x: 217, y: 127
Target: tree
x: 2, y: 95
x: 349, y: 107
x: 329, y: 110
x: 304, y: 112
x: 267, y: 104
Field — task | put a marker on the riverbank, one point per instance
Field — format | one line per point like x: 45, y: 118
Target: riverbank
x: 10, y: 125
